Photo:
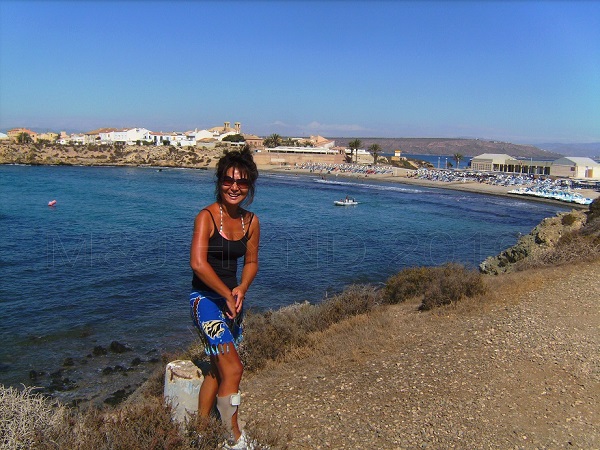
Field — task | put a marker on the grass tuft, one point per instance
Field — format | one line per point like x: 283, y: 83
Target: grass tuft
x: 24, y: 415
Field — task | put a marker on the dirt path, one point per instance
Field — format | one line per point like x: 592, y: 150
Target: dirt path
x: 521, y: 371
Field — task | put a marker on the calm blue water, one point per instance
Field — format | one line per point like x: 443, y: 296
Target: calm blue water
x: 110, y: 261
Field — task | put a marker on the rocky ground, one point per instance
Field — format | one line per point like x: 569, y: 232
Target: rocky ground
x: 521, y: 370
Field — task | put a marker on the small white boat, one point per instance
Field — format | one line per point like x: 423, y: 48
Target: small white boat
x: 345, y: 202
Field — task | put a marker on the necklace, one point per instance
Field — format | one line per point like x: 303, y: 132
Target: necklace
x: 221, y: 214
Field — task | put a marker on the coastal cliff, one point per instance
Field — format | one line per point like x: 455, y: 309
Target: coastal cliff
x: 567, y: 237
x: 105, y: 155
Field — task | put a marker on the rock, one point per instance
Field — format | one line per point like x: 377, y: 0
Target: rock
x: 117, y: 347
x: 99, y: 351
x: 117, y: 397
x: 136, y: 362
x: 68, y: 362
x: 542, y: 238
x: 61, y: 385
x: 34, y: 374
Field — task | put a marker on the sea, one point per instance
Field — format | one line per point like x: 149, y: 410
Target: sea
x: 109, y: 263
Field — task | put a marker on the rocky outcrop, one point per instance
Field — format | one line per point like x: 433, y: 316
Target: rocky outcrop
x: 543, y: 238
x: 103, y: 155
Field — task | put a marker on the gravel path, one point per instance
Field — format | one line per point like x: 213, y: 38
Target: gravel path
x: 520, y: 371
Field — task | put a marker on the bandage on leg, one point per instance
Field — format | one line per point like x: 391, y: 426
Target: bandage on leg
x: 227, y: 407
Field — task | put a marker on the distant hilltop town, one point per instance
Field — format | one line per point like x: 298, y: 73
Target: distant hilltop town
x: 294, y: 150
x: 135, y: 143
x: 139, y: 136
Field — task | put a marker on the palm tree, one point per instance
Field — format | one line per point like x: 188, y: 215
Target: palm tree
x: 24, y: 138
x: 457, y: 157
x: 375, y: 150
x: 354, y: 146
x: 272, y: 141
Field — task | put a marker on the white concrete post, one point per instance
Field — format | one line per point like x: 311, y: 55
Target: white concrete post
x: 182, y: 386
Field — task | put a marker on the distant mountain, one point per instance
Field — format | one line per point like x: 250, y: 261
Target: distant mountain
x: 591, y: 150
x: 446, y: 146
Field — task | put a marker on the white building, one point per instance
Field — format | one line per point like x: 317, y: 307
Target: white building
x: 203, y: 134
x: 135, y: 135
x: 576, y: 167
x: 159, y: 138
x: 73, y: 139
x: 491, y: 162
x: 182, y: 140
x: 3, y: 136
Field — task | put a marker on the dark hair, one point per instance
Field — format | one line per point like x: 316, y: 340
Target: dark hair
x: 243, y: 161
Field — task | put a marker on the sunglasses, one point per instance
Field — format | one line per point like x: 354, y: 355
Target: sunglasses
x: 242, y: 183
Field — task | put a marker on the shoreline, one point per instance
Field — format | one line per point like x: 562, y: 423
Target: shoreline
x: 205, y: 159
x: 470, y: 186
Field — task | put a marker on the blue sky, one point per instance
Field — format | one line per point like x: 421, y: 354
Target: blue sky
x: 518, y: 71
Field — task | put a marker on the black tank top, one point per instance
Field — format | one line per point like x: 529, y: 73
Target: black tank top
x: 222, y: 257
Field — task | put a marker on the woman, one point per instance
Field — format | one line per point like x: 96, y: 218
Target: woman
x: 224, y: 232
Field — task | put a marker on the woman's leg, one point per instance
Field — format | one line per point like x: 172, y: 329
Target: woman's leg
x: 208, y: 390
x: 230, y: 370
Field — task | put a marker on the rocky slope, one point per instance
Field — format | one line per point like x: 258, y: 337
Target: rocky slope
x: 542, y: 239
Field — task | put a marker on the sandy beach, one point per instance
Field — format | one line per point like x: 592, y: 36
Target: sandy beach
x: 404, y: 177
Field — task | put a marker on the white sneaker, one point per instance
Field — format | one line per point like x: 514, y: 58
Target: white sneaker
x: 243, y: 443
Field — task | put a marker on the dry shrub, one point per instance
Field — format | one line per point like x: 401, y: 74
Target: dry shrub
x: 568, y: 219
x: 355, y: 300
x: 594, y: 211
x: 205, y: 433
x: 436, y: 285
x: 140, y: 426
x: 29, y: 420
x: 407, y: 284
x: 451, y: 283
x: 25, y: 415
x: 270, y: 335
x: 592, y: 225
